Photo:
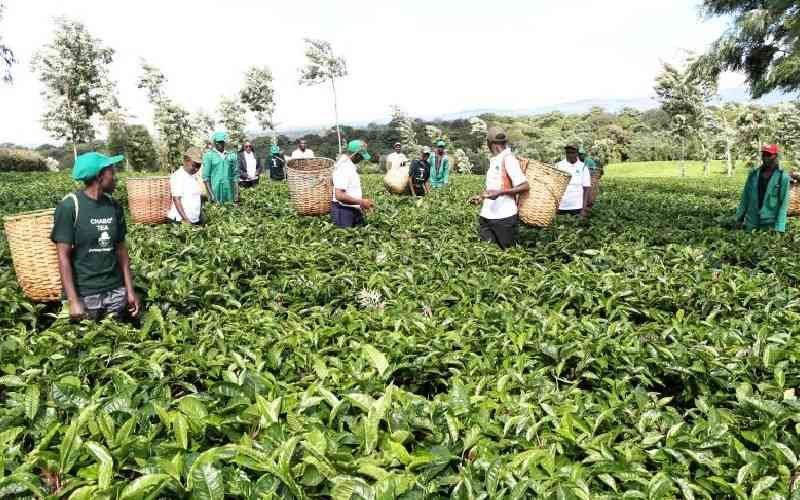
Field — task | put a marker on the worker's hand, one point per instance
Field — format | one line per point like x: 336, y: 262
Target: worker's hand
x: 794, y: 176
x: 475, y: 200
x: 491, y: 194
x: 184, y: 221
x: 77, y: 311
x: 134, y: 304
x: 366, y: 204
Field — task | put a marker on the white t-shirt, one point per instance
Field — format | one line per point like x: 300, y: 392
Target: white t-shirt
x: 302, y: 154
x: 345, y: 176
x: 395, y: 160
x: 251, y: 163
x: 503, y: 206
x: 581, y: 178
x: 184, y: 186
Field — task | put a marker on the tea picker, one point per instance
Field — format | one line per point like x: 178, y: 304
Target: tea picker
x: 498, y: 221
x: 347, y: 209
x: 89, y: 232
x: 221, y: 171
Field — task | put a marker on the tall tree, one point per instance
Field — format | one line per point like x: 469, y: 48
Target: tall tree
x: 258, y: 95
x: 172, y: 121
x: 683, y: 95
x: 761, y: 41
x: 7, y: 58
x: 404, y: 127
x: 74, y: 71
x: 203, y: 126
x: 324, y: 66
x: 232, y: 116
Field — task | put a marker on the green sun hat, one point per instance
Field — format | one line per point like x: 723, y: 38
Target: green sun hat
x: 359, y: 146
x: 219, y: 137
x: 88, y: 165
x: 274, y: 149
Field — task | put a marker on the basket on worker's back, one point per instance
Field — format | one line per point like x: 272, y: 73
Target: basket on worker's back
x: 396, y: 180
x: 794, y: 199
x: 148, y: 199
x: 595, y: 185
x: 34, y: 254
x: 310, y: 182
x: 539, y: 205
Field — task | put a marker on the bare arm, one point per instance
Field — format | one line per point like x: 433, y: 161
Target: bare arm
x: 124, y: 261
x: 179, y: 207
x: 587, y: 198
x: 76, y: 307
x: 343, y: 197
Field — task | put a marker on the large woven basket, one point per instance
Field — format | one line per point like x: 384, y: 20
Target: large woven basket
x: 148, y: 199
x: 539, y: 205
x: 595, y: 186
x: 310, y: 182
x: 794, y: 200
x: 396, y: 180
x: 34, y: 254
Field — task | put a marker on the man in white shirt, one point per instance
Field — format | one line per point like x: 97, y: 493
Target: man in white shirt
x: 396, y: 158
x: 302, y: 151
x: 579, y: 190
x: 249, y: 166
x: 347, y: 206
x: 499, y: 220
x: 187, y: 203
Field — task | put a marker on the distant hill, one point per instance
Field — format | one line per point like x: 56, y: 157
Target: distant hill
x: 613, y: 105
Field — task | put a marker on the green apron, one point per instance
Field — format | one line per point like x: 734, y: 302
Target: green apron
x: 222, y: 173
x: 772, y: 214
x: 439, y: 176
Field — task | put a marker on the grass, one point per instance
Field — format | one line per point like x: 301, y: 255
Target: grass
x: 669, y: 169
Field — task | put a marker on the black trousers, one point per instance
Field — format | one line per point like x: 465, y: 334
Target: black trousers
x: 576, y: 211
x: 503, y: 232
x: 248, y: 183
x: 344, y: 216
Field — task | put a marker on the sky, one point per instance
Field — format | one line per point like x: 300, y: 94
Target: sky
x: 427, y: 56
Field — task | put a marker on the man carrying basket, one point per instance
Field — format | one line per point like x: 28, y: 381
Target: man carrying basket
x: 499, y: 220
x: 347, y: 206
x: 89, y: 233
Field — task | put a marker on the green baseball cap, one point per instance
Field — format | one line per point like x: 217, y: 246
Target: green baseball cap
x: 440, y: 143
x: 581, y: 150
x: 359, y: 146
x: 274, y: 149
x: 88, y: 165
x: 219, y: 137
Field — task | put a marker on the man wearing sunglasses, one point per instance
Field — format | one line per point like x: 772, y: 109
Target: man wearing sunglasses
x: 187, y: 203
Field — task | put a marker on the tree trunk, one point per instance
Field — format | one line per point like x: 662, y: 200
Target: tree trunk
x: 336, y: 115
x: 706, y: 160
x: 728, y: 163
x: 74, y: 151
x: 683, y: 158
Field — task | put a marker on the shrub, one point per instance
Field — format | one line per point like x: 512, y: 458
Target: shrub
x: 21, y: 160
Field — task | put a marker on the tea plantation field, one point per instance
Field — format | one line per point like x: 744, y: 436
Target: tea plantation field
x: 649, y: 353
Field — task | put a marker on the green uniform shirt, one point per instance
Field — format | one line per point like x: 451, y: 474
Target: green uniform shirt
x: 222, y: 173
x: 439, y: 175
x: 94, y: 237
x: 772, y: 214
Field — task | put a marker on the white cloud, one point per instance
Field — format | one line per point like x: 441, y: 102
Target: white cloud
x: 430, y: 57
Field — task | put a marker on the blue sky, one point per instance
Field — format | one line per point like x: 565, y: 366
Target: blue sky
x: 430, y: 57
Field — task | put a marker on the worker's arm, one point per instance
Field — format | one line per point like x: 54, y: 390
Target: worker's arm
x: 207, y: 178
x: 124, y: 261
x: 179, y: 207
x: 741, y: 211
x: 587, y: 199
x: 343, y: 197
x: 76, y: 308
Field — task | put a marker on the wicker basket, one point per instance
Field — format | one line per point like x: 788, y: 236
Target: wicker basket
x: 34, y: 254
x: 595, y: 186
x: 310, y: 182
x: 149, y: 199
x: 794, y: 200
x: 396, y: 180
x: 539, y: 205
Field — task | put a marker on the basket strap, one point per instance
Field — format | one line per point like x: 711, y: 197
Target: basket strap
x: 77, y: 208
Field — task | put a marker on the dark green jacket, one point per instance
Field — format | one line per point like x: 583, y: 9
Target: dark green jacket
x: 772, y: 214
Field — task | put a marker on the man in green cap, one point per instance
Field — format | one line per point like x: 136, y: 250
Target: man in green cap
x: 348, y: 205
x: 89, y: 233
x: 277, y: 164
x: 440, y: 165
x: 221, y: 171
x: 587, y: 160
